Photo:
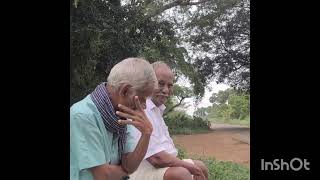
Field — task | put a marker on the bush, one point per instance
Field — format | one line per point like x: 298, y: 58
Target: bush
x: 181, y: 123
x: 201, y: 123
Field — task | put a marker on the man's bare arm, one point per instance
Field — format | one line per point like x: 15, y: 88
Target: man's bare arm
x: 164, y: 159
x: 131, y: 161
x: 107, y: 172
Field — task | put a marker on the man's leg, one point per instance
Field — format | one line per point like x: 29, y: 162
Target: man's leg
x: 177, y: 173
x: 202, y: 166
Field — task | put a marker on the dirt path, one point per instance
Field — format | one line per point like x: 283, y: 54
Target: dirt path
x: 225, y: 142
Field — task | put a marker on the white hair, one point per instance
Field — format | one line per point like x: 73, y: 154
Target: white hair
x: 136, y: 72
x: 159, y: 64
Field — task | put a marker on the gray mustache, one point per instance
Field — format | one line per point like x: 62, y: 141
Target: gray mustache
x: 162, y: 95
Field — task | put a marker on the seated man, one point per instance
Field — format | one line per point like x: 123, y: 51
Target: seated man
x: 101, y: 145
x: 161, y: 162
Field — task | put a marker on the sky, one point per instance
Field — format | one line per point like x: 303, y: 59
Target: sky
x: 214, y: 88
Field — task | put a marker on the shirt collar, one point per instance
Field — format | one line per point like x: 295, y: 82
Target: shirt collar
x: 151, y: 105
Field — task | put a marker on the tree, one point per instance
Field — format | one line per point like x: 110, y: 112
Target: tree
x: 229, y: 103
x: 222, y: 35
x: 201, y: 112
x: 180, y: 94
x: 222, y: 96
x: 224, y: 111
x: 104, y: 32
x: 214, y: 44
x: 239, y: 105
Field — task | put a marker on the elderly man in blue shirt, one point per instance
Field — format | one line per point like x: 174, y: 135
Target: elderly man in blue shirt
x: 101, y: 141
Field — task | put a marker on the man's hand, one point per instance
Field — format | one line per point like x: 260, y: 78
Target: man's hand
x: 138, y: 117
x: 195, y: 171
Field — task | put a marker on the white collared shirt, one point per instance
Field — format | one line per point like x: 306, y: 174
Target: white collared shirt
x: 160, y: 139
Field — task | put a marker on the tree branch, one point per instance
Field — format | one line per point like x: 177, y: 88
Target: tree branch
x: 172, y: 108
x: 187, y: 3
x: 173, y: 4
x: 224, y: 47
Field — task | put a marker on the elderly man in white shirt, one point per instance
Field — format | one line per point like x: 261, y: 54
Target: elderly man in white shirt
x: 161, y: 162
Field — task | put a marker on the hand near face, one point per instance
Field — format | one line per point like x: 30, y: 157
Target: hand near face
x: 136, y: 117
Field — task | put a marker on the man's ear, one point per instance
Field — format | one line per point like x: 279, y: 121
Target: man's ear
x: 124, y: 89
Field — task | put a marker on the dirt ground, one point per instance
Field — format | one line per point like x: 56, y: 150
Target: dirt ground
x: 225, y: 142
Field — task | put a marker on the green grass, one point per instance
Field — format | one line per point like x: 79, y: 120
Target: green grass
x: 222, y: 170
x: 219, y: 170
x: 245, y: 122
x: 187, y: 131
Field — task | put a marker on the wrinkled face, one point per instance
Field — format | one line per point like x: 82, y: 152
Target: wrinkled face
x: 127, y: 95
x: 165, y: 85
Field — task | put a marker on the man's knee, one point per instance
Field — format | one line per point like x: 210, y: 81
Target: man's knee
x: 202, y: 166
x: 177, y: 173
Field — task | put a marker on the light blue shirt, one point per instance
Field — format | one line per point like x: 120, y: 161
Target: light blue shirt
x: 90, y: 143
